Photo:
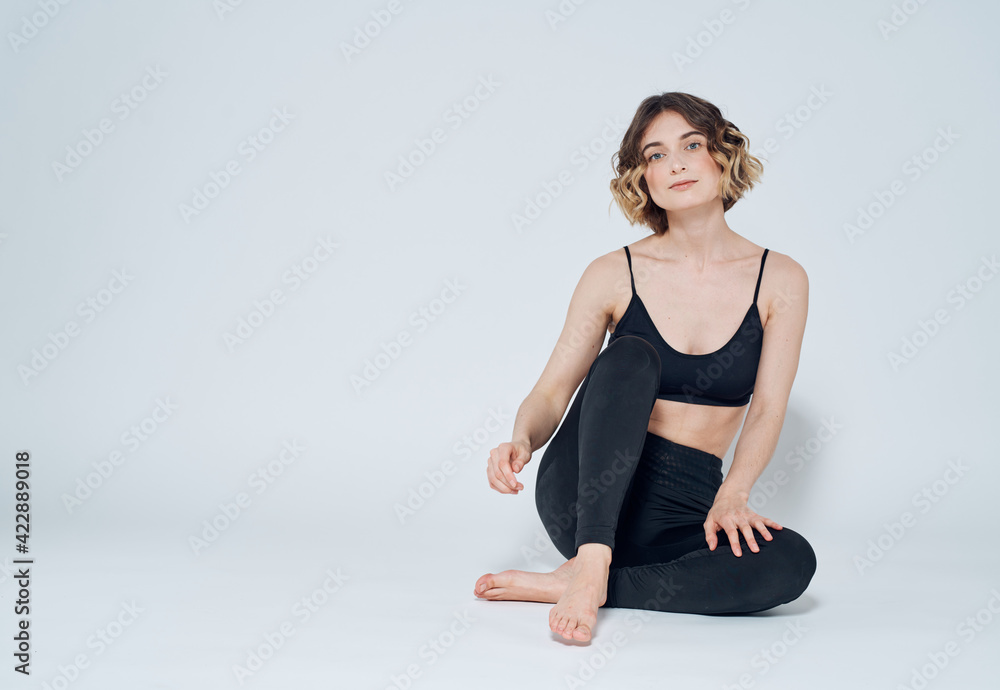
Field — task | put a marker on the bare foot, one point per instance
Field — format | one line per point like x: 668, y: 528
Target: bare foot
x: 519, y: 585
x: 575, y: 614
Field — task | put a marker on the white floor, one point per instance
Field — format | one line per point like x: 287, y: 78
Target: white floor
x: 402, y: 615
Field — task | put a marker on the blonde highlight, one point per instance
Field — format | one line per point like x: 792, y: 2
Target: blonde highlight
x: 727, y: 146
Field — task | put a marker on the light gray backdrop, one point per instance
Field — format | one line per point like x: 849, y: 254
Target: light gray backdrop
x: 216, y: 218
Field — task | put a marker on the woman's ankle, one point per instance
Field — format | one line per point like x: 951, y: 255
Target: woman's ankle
x: 593, y: 553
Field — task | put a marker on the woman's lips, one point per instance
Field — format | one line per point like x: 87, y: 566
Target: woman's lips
x: 683, y: 185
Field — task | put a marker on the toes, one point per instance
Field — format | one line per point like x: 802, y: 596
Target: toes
x: 571, y: 626
x: 484, y: 583
x: 490, y: 591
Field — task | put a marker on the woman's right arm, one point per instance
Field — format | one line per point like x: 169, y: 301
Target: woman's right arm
x: 590, y: 311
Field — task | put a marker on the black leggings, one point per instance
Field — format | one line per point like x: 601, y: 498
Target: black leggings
x: 605, y: 479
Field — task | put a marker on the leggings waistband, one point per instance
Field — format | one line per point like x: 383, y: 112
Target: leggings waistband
x: 680, y: 467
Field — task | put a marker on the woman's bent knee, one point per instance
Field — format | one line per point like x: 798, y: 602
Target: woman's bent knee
x: 629, y: 356
x: 634, y: 348
x: 794, y: 558
x: 804, y: 560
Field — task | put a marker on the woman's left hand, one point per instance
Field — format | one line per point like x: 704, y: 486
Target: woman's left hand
x: 730, y: 513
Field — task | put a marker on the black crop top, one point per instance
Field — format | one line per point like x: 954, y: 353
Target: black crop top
x: 725, y: 377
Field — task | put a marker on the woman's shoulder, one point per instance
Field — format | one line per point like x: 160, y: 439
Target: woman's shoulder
x: 605, y: 279
x: 783, y: 283
x: 783, y: 267
x: 607, y: 265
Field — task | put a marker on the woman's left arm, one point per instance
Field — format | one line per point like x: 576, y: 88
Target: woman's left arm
x: 779, y: 361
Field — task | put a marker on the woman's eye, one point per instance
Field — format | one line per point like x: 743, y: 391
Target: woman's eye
x: 693, y: 143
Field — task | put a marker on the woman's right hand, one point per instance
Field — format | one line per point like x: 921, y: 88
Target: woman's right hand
x: 505, y: 460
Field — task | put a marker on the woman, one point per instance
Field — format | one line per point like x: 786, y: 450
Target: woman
x: 630, y: 490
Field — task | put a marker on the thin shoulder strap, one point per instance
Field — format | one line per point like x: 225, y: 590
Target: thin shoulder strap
x: 760, y: 275
x: 628, y: 255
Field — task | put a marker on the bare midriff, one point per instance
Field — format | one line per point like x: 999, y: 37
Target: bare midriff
x: 706, y: 427
x: 710, y: 428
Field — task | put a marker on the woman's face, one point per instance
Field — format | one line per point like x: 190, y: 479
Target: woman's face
x: 675, y: 151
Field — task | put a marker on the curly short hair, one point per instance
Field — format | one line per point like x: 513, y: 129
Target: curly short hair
x: 726, y: 144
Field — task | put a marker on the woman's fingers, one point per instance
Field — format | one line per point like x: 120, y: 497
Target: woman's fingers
x: 763, y: 530
x: 711, y: 527
x: 506, y: 472
x: 748, y: 535
x: 761, y: 524
x: 734, y: 540
x: 499, y: 472
x: 492, y: 475
x: 733, y: 522
x: 497, y: 482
